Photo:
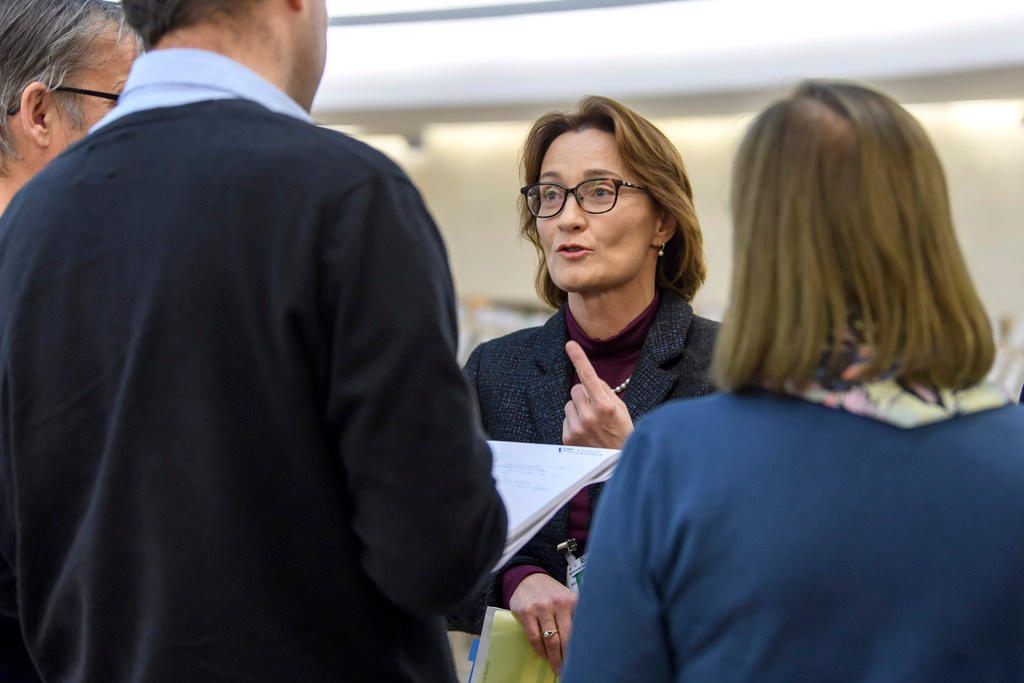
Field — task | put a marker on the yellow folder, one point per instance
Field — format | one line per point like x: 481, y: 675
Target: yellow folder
x: 505, y: 655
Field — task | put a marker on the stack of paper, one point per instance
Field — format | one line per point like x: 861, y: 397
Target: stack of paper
x: 536, y: 480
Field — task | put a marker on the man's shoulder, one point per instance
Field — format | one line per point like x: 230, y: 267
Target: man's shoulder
x: 343, y: 147
x: 317, y: 148
x: 248, y: 131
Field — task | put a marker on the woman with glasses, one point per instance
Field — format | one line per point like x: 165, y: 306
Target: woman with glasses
x: 851, y: 510
x: 609, y: 208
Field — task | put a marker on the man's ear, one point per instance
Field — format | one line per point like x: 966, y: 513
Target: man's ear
x: 37, y: 114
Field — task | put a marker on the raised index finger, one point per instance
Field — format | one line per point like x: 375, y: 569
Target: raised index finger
x: 594, y: 385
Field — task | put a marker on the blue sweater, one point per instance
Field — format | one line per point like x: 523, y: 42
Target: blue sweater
x: 762, y: 538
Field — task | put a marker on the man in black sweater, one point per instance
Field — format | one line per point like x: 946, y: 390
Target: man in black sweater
x: 234, y: 440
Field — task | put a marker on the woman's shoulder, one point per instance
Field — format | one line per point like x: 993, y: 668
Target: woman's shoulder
x: 698, y: 412
x: 506, y: 371
x: 514, y: 345
x: 705, y: 327
x: 700, y: 338
x: 510, y: 343
x: 676, y: 315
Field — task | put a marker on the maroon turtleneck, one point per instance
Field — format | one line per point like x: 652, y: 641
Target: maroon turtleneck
x: 614, y: 360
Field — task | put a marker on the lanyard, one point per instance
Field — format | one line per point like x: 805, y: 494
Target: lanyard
x: 575, y: 565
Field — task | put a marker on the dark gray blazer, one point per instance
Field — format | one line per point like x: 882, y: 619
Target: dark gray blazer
x: 522, y: 383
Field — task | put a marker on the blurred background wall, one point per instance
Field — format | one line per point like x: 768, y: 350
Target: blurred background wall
x: 449, y: 90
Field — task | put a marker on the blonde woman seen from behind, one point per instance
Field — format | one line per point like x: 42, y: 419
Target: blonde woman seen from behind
x: 851, y: 510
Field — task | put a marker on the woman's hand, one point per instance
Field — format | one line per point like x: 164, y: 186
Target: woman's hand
x: 542, y: 604
x: 595, y: 415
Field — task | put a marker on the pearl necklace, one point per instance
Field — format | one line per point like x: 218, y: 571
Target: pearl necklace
x: 622, y: 387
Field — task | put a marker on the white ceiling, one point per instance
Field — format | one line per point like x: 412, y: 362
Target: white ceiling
x: 356, y: 8
x: 693, y: 55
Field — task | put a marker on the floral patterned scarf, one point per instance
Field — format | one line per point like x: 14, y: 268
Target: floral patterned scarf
x: 893, y: 401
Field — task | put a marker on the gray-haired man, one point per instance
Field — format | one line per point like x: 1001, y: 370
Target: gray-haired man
x: 62, y: 65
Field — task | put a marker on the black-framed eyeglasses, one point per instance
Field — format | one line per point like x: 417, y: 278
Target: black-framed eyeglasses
x: 597, y: 195
x: 78, y: 91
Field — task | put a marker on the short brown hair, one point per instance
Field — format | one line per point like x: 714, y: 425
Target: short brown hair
x: 657, y: 165
x: 154, y: 19
x: 842, y: 225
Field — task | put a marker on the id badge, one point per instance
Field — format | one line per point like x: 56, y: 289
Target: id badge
x: 574, y: 573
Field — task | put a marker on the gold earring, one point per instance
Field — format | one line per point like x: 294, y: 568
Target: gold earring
x: 661, y: 249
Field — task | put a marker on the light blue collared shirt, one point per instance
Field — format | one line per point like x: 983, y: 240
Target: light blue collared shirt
x: 168, y: 78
